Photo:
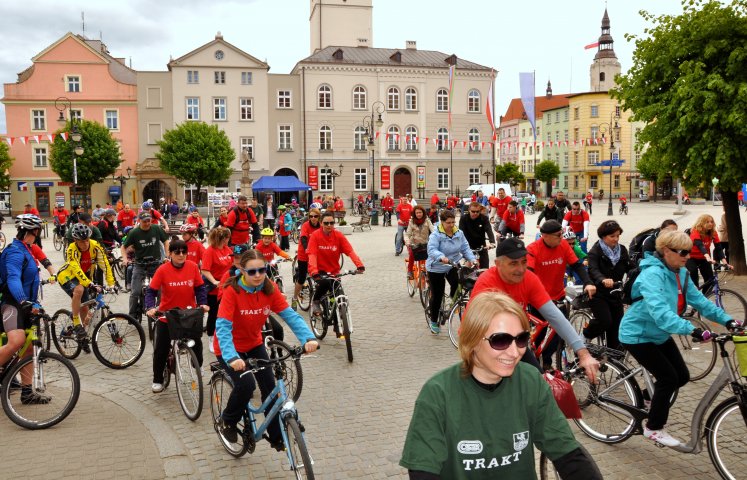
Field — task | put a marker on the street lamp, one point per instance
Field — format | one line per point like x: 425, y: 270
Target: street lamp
x: 614, y: 127
x: 122, y: 179
x: 63, y: 104
x: 334, y: 175
x: 487, y: 173
x: 377, y: 108
x: 714, y: 182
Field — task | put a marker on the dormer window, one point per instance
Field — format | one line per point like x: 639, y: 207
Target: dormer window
x: 396, y: 57
x: 338, y: 54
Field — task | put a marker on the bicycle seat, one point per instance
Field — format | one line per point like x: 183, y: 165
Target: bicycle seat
x: 216, y: 367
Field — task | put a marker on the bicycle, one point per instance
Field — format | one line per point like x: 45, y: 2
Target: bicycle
x: 454, y: 305
x: 273, y: 272
x: 335, y: 313
x: 619, y: 398
x: 623, y: 209
x: 290, y: 372
x: 50, y: 377
x: 307, y: 289
x: 118, y: 340
x: 58, y: 237
x: 148, y: 264
x: 529, y: 210
x: 278, y: 403
x: 114, y: 257
x: 419, y: 280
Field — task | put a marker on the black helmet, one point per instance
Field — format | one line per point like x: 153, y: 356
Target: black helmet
x: 80, y: 232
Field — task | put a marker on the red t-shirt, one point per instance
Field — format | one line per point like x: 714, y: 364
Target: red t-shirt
x: 217, y: 261
x: 306, y: 230
x: 549, y: 264
x: 708, y: 241
x: 85, y: 261
x: 339, y: 205
x: 325, y: 250
x: 501, y: 205
x: 405, y: 211
x: 623, y: 200
x: 126, y: 218
x: 528, y: 292
x: 195, y: 251
x: 38, y: 253
x: 192, y: 220
x: 248, y: 313
x: 451, y: 201
x: 576, y: 222
x: 32, y: 211
x: 268, y: 251
x: 240, y: 224
x: 177, y: 285
x: 387, y: 203
x: 61, y: 216
x: 514, y: 221
x: 589, y: 198
x: 434, y: 199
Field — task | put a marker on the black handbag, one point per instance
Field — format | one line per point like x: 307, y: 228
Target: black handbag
x: 185, y: 323
x: 420, y: 252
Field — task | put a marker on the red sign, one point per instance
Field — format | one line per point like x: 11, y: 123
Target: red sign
x: 385, y: 178
x: 64, y: 184
x: 313, y: 173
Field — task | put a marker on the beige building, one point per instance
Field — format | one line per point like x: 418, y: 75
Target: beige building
x: 345, y: 23
x: 155, y: 116
x: 285, y: 143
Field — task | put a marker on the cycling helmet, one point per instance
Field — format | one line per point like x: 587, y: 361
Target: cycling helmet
x: 28, y: 221
x: 80, y: 231
x: 126, y: 230
x: 188, y: 228
x: 147, y: 205
x: 267, y: 232
x: 192, y: 209
x: 569, y: 235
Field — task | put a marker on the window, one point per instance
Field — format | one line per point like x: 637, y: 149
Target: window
x: 193, y: 108
x: 565, y: 182
x: 219, y: 109
x: 220, y: 77
x: 473, y: 101
x: 565, y: 117
x: 593, y: 182
x: 38, y: 120
x: 523, y: 132
x: 153, y: 98
x: 594, y: 131
x: 575, y: 181
x: 442, y: 100
x: 442, y: 179
x: 112, y: 119
x: 575, y: 113
x: 246, y: 111
x: 73, y: 83
x: 617, y: 181
x: 392, y: 98
x: 325, y: 179
x: 359, y: 139
x: 247, y: 145
x: 284, y: 99
x: 193, y: 76
x: 360, y: 179
x: 359, y: 98
x: 592, y: 157
x: 392, y: 143
x: 246, y: 78
x: 557, y: 117
x: 549, y: 137
x: 411, y: 139
x: 617, y: 111
x: 442, y: 140
x: 325, y: 97
x: 594, y: 111
x: 473, y: 137
x: 325, y: 138
x: 76, y: 115
x: 557, y: 135
x: 565, y: 159
x: 565, y: 134
x: 575, y: 159
x: 474, y: 176
x: 155, y: 133
x: 284, y: 137
x: 575, y: 134
x: 411, y: 99
x: 40, y: 157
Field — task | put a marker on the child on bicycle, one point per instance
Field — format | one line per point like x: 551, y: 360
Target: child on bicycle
x: 268, y: 248
x: 623, y: 204
x: 247, y: 300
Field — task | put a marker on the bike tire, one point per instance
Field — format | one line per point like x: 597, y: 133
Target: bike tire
x: 731, y: 302
x: 297, y: 451
x: 347, y: 329
x: 118, y: 269
x: 43, y: 333
x: 67, y: 345
x: 424, y: 290
x: 295, y: 236
x: 318, y: 324
x: 725, y: 434
x: 603, y: 421
x: 547, y: 469
x: 455, y: 322
x: 118, y: 341
x: 289, y: 370
x: 700, y: 357
x: 57, y: 241
x: 305, y: 295
x: 61, y: 382
x: 188, y: 379
x: 411, y: 286
x: 220, y: 390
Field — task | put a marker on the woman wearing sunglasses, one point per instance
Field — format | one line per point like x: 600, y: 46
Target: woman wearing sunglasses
x: 302, y: 265
x: 660, y: 294
x: 247, y: 299
x: 216, y: 260
x: 482, y: 417
x: 181, y: 286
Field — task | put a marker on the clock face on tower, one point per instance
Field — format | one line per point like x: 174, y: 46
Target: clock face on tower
x: 219, y: 54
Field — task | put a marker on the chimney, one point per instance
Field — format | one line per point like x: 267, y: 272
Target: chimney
x: 362, y: 42
x: 219, y: 36
x: 411, y: 45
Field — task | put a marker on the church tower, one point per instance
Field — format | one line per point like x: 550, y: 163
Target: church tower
x: 605, y: 66
x: 341, y: 23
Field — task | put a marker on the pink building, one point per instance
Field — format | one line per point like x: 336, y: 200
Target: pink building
x: 100, y: 88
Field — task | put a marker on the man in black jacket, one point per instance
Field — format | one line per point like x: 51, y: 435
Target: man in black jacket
x: 550, y: 212
x: 475, y: 226
x: 562, y: 203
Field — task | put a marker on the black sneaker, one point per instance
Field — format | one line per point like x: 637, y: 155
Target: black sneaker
x: 229, y: 432
x: 277, y: 445
x: 30, y: 398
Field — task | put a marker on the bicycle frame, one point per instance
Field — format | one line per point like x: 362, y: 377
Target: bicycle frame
x: 539, y: 327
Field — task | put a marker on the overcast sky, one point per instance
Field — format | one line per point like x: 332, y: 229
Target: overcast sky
x: 546, y: 36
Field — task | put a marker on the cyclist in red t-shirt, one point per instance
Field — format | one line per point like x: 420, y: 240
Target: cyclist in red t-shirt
x: 302, y: 265
x: 60, y: 219
x: 512, y: 221
x: 387, y: 206
x: 195, y: 248
x: 268, y: 247
x: 578, y: 220
x: 215, y: 261
x: 240, y: 220
x: 404, y: 212
x: 125, y: 218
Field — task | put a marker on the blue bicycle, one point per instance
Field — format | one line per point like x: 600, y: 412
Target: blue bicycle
x: 281, y: 403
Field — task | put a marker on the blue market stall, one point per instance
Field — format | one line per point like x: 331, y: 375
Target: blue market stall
x: 284, y: 186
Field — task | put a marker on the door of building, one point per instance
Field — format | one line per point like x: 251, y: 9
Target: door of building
x: 402, y: 182
x: 42, y: 201
x: 156, y: 190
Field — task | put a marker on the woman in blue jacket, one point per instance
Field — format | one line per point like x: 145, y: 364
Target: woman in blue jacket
x: 661, y: 293
x: 446, y: 244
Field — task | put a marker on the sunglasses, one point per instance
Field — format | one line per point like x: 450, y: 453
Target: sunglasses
x: 501, y: 341
x: 179, y: 251
x: 474, y: 211
x: 313, y: 216
x: 328, y: 223
x: 255, y: 271
x: 682, y: 253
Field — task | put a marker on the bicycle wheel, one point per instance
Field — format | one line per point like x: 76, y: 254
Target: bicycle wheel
x: 118, y: 341
x: 2, y: 241
x: 455, y: 322
x: 423, y: 288
x: 118, y: 268
x: 188, y: 378
x: 61, y: 331
x: 347, y: 329
x: 565, y: 355
x: 299, y: 455
x: 295, y: 235
x: 731, y: 302
x: 547, y: 469
x: 603, y: 421
x: 220, y: 390
x: 43, y: 333
x: 726, y: 432
x: 700, y: 357
x: 289, y: 370
x: 54, y: 378
x: 411, y: 285
x: 304, y: 297
x: 57, y: 240
x: 318, y: 324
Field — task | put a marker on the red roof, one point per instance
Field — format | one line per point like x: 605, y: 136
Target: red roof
x: 515, y: 109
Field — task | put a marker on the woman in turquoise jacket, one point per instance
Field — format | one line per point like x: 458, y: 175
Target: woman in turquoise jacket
x: 661, y: 293
x: 446, y: 244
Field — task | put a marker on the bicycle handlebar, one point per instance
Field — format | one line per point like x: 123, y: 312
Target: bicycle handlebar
x: 327, y: 276
x: 254, y: 365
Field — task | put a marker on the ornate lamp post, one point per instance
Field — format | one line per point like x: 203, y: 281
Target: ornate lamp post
x: 122, y: 180
x: 63, y: 104
x: 614, y: 128
x: 334, y: 174
x: 487, y: 173
x: 377, y: 108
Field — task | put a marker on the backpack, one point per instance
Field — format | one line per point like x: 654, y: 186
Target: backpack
x: 635, y: 250
x: 628, y: 286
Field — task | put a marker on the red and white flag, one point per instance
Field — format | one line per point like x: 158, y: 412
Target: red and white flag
x: 591, y: 45
x: 489, y: 108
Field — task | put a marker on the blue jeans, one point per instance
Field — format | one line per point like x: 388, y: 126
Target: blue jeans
x: 399, y: 239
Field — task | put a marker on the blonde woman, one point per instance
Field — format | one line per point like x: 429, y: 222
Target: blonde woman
x: 704, y: 237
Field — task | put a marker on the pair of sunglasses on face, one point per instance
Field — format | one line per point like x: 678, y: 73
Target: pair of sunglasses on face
x: 501, y: 341
x: 682, y: 253
x: 255, y: 271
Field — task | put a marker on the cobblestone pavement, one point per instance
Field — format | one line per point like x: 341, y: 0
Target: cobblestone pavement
x: 356, y: 415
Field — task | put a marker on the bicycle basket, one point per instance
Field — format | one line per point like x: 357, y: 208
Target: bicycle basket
x: 468, y: 278
x: 185, y: 323
x: 740, y: 351
x: 420, y: 252
x: 580, y: 302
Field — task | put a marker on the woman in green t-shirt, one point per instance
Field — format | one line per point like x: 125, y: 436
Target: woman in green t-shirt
x: 481, y: 418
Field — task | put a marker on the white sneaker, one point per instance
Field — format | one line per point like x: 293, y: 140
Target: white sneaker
x: 210, y: 345
x: 157, y: 387
x: 661, y: 436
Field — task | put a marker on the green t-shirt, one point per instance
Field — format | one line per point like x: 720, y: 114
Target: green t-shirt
x: 258, y: 211
x: 460, y: 430
x: 146, y: 243
x: 579, y: 253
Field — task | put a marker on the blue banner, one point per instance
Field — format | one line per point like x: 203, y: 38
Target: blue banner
x: 526, y: 86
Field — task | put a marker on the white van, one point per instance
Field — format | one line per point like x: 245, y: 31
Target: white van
x: 487, y: 188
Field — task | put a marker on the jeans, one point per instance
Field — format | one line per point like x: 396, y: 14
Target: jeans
x: 138, y: 275
x: 399, y: 239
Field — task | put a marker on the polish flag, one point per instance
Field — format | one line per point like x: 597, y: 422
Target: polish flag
x: 591, y: 45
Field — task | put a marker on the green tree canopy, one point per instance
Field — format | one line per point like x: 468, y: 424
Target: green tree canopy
x: 100, y: 154
x: 197, y: 154
x: 509, y: 173
x: 547, y: 171
x: 5, y: 163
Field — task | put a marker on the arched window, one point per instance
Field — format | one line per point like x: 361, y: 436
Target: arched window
x: 392, y: 142
x: 359, y: 139
x: 411, y: 99
x: 359, y: 98
x: 473, y: 101
x: 442, y: 100
x: 411, y: 139
x: 325, y: 97
x: 474, y: 140
x: 325, y: 138
x: 392, y: 98
x: 442, y: 140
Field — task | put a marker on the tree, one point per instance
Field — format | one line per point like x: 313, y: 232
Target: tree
x: 688, y: 83
x: 100, y: 156
x: 509, y: 173
x: 197, y: 154
x: 547, y: 171
x: 5, y: 162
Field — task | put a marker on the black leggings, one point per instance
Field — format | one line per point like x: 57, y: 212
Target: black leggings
x: 665, y: 363
x: 704, y: 266
x: 607, y: 315
x: 437, y: 282
x: 212, y: 301
x: 161, y: 347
